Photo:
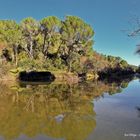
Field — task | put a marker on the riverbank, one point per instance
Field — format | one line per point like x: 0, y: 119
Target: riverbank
x: 61, y: 76
x: 42, y: 75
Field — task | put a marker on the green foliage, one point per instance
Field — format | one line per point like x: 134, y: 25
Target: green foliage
x: 47, y: 44
x: 53, y: 44
x: 29, y: 27
x: 123, y: 64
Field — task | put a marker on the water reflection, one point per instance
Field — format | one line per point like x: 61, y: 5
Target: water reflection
x: 138, y: 110
x: 56, y: 110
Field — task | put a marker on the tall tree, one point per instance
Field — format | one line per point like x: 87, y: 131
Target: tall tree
x: 11, y: 34
x: 29, y: 27
x: 77, y: 36
x: 49, y: 27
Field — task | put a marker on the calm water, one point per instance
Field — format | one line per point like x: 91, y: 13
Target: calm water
x: 86, y: 111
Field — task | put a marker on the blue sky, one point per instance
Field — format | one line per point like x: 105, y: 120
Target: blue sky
x: 107, y: 17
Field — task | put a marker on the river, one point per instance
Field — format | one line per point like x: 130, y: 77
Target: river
x: 99, y: 110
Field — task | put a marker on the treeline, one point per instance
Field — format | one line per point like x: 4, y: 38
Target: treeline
x: 52, y: 44
x: 110, y: 66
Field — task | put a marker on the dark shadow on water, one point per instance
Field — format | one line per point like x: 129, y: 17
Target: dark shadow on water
x: 35, y: 76
x: 116, y: 74
x: 119, y: 80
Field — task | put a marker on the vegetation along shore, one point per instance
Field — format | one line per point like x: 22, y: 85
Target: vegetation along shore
x: 62, y: 48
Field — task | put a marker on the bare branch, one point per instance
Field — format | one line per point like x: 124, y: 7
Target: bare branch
x: 134, y: 33
x: 138, y: 49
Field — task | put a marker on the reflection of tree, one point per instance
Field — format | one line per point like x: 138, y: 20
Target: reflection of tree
x: 116, y: 86
x: 138, y: 109
x: 57, y: 110
x: 32, y: 114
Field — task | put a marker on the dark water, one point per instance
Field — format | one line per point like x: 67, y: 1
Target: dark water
x: 93, y: 110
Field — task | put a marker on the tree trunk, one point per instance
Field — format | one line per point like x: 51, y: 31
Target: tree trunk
x: 15, y: 56
x: 16, y: 60
x: 69, y: 67
x: 44, y: 43
x: 31, y: 49
x: 69, y: 59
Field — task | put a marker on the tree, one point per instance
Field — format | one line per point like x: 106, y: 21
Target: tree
x: 29, y: 28
x: 123, y: 64
x: 11, y: 34
x: 76, y: 36
x: 49, y: 28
